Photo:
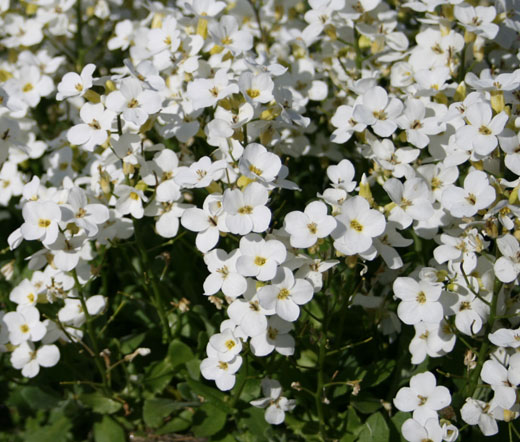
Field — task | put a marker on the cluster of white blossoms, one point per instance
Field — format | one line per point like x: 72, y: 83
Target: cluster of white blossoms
x: 217, y: 98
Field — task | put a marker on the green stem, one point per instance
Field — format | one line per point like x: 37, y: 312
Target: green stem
x: 359, y: 55
x: 353, y: 344
x: 263, y: 35
x: 483, y: 353
x: 236, y: 397
x: 318, y: 395
x: 80, y: 50
x: 462, y: 71
x: 92, y: 335
x: 150, y: 276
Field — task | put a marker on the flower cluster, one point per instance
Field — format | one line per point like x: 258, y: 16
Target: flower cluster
x: 413, y: 111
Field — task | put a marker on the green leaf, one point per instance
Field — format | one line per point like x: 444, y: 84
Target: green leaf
x: 398, y: 421
x: 375, y: 429
x: 193, y: 367
x: 210, y: 394
x: 99, y: 403
x: 354, y: 424
x: 255, y: 423
x: 177, y: 424
x: 38, y: 399
x: 156, y: 409
x: 209, y: 419
x: 130, y: 343
x: 108, y: 430
x: 308, y: 358
x: 366, y: 403
x: 379, y: 371
x: 159, y: 375
x: 56, y: 432
x: 179, y: 353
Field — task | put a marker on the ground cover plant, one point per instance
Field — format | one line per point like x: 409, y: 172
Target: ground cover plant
x: 259, y: 220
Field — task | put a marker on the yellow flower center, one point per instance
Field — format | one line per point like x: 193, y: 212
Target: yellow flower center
x: 355, y: 224
x: 222, y: 365
x: 94, y: 124
x: 44, y: 223
x: 260, y: 261
x: 226, y: 40
x: 283, y: 294
x: 253, y: 93
x: 255, y: 170
x: 245, y: 210
x: 421, y: 298
x: 133, y: 103
x: 484, y: 130
x: 313, y: 228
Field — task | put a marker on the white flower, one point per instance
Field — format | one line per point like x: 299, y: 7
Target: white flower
x: 208, y: 222
x: 248, y: 313
x: 431, y: 339
x: 416, y: 125
x: 133, y: 102
x: 276, y: 337
x: 357, y: 225
x: 396, y: 160
x: 377, y: 110
x: 507, y: 267
x: 246, y: 210
x: 411, y: 201
x: 206, y: 92
x: 276, y: 404
x: 423, y: 397
x: 341, y: 175
x: 226, y: 34
x: 206, y: 8
x: 470, y: 313
x: 24, y: 293
x: 431, y: 81
x: 502, y: 381
x: 73, y: 85
x: 419, y: 300
x: 505, y: 337
x: 482, y: 130
x: 285, y: 294
x: 224, y: 275
x: 73, y: 314
x: 313, y: 271
x: 41, y: 221
x: 308, y: 226
x: 84, y: 215
x: 130, y: 200
x: 95, y: 127
x: 345, y: 124
x: 414, y: 431
x: 478, y: 19
x: 257, y: 163
x: 24, y: 324
x: 226, y: 345
x: 476, y: 195
x: 200, y: 173
x: 260, y: 258
x: 476, y: 412
x: 222, y: 372
x: 29, y: 361
x: 256, y: 88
